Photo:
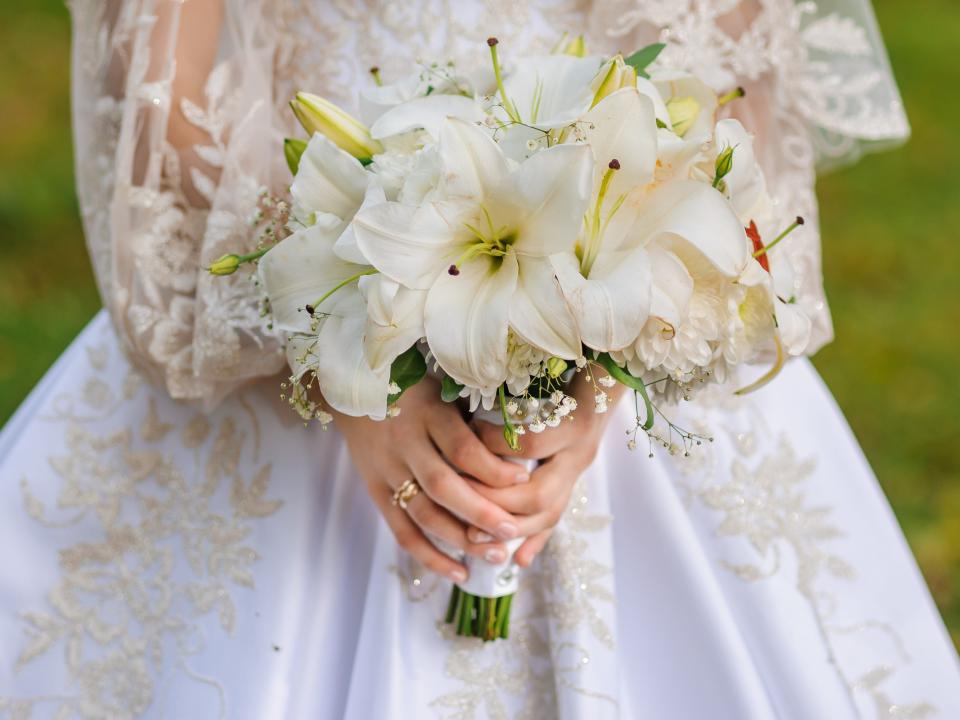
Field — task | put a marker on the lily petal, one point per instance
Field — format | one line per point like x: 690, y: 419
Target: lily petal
x: 539, y: 313
x: 336, y: 355
x: 471, y: 162
x: 554, y: 188
x: 395, y: 319
x: 346, y: 246
x: 698, y: 214
x: 551, y: 91
x: 427, y: 113
x: 623, y: 126
x: 466, y: 320
x: 411, y: 245
x: 328, y: 181
x: 672, y: 286
x: 612, y: 305
x: 794, y: 326
x: 299, y: 271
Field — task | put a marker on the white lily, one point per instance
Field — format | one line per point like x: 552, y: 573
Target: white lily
x: 314, y: 298
x: 550, y: 91
x: 607, y: 282
x: 313, y: 277
x: 479, y: 249
x: 540, y: 98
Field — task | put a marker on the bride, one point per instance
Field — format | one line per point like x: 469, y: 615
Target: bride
x: 177, y: 545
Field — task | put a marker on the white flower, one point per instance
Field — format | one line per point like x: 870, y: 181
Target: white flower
x: 479, y: 249
x: 550, y: 91
x: 313, y: 281
x: 607, y: 283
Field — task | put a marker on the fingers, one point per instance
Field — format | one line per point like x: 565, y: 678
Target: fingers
x: 449, y: 490
x: 526, y: 553
x: 539, y: 504
x: 434, y: 521
x: 531, y: 548
x: 465, y: 451
x: 411, y: 539
x: 535, y: 446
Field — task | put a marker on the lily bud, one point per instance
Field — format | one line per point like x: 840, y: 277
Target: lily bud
x: 556, y: 367
x: 614, y: 75
x: 576, y: 47
x: 683, y: 113
x: 225, y: 265
x: 318, y: 115
x: 565, y: 46
x: 723, y: 166
x: 293, y: 150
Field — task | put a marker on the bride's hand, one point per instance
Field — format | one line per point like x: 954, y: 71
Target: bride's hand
x: 565, y: 453
x: 430, y: 442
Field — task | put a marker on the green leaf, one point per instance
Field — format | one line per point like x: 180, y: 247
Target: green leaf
x: 450, y: 389
x: 407, y: 370
x: 642, y: 58
x: 293, y: 150
x: 623, y: 377
x: 661, y: 124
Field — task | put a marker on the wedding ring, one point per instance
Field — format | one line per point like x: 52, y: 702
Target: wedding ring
x: 405, y: 493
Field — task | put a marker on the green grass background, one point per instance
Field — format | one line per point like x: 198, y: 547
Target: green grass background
x: 891, y: 249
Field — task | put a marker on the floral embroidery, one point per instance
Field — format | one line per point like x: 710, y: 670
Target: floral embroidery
x: 763, y: 498
x: 117, y: 613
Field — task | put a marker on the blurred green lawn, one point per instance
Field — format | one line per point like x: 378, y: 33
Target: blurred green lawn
x: 891, y: 253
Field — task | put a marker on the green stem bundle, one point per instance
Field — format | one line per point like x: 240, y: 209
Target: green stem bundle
x: 480, y: 617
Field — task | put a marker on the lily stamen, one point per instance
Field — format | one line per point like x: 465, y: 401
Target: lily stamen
x: 498, y: 74
x: 793, y: 226
x: 734, y: 94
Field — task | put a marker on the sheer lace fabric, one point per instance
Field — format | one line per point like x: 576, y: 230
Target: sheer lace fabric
x: 170, y: 172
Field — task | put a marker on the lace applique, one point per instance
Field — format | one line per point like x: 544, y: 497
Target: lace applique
x: 122, y: 621
x: 762, y: 497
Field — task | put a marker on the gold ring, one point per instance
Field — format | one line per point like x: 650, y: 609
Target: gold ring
x: 405, y: 493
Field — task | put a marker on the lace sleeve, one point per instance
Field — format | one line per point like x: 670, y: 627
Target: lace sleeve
x: 847, y: 91
x: 174, y: 129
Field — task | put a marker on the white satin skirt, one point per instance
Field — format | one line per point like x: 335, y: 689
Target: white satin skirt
x: 159, y: 562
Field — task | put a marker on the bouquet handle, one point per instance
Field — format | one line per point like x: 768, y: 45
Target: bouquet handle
x: 480, y: 606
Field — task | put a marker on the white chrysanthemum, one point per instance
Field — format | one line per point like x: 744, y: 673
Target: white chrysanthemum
x: 712, y: 316
x: 407, y: 175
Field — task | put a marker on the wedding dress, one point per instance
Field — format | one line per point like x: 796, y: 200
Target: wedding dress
x: 214, y: 558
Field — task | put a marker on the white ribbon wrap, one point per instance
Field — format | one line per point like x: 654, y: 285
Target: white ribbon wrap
x: 485, y: 579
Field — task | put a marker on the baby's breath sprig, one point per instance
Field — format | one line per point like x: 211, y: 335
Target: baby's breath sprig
x: 269, y: 223
x: 301, y: 389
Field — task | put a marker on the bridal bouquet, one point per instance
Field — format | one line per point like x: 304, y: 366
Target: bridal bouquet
x: 511, y: 226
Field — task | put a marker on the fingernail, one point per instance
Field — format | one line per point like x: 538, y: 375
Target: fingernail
x: 458, y: 576
x: 507, y: 531
x: 494, y: 556
x: 479, y: 537
x: 522, y: 477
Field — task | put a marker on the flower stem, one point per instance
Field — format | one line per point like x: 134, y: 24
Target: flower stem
x: 338, y: 286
